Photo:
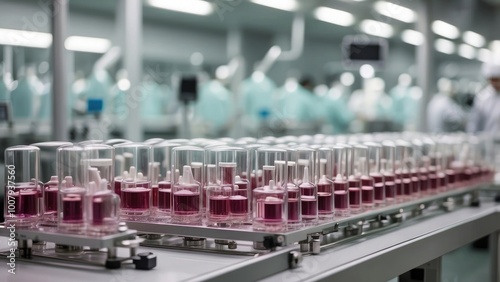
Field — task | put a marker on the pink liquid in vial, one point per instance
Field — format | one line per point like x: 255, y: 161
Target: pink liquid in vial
x: 117, y: 184
x: 390, y: 190
x: 164, y: 198
x: 25, y: 202
x: 309, y: 206
x: 186, y: 202
x: 72, y: 208
x: 273, y: 210
x: 219, y: 206
x: 325, y: 202
x: 433, y: 182
x: 442, y: 181
x: 238, y: 204
x: 136, y: 198
x: 424, y: 184
x: 253, y: 181
x: 450, y: 174
x: 154, y: 196
x: 355, y: 198
x: 341, y: 200
x: 339, y: 186
x: 367, y: 196
x: 354, y: 183
x: 379, y: 191
x: 307, y: 189
x: 293, y: 210
x: 98, y: 211
x: 415, y: 184
x: 407, y: 187
x: 50, y: 199
x: 399, y: 187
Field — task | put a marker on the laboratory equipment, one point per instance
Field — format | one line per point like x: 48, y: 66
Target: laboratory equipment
x: 306, y: 172
x: 132, y: 167
x: 23, y: 193
x: 340, y: 184
x: 387, y: 169
x: 72, y: 201
x: 186, y: 190
x: 48, y: 176
x: 375, y: 173
x: 269, y: 204
x: 324, y: 181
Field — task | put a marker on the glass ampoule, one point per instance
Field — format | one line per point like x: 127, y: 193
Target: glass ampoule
x: 324, y: 183
x: 269, y: 202
x: 135, y: 186
x: 416, y: 150
x: 72, y: 215
x: 162, y: 154
x: 294, y: 206
x: 430, y: 163
x: 186, y: 191
x: 404, y: 185
x: 387, y: 169
x: 376, y: 173
x: 23, y: 192
x: 102, y: 205
x: 340, y: 184
x: 48, y: 176
x: 354, y: 178
x: 362, y: 172
x: 422, y: 163
x: 308, y: 190
x: 240, y: 200
x: 448, y: 148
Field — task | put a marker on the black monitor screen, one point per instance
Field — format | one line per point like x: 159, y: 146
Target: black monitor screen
x: 189, y: 88
x: 364, y: 52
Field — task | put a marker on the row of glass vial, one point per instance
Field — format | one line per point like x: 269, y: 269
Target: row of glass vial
x: 77, y: 199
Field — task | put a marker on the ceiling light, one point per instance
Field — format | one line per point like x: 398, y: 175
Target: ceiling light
x: 445, y: 29
x: 286, y: 5
x: 412, y: 37
x: 444, y: 46
x: 495, y: 46
x: 466, y: 51
x: 376, y: 28
x: 25, y: 38
x: 395, y: 11
x: 87, y: 44
x: 484, y: 55
x: 474, y: 39
x: 367, y: 71
x: 334, y: 16
x: 196, y: 7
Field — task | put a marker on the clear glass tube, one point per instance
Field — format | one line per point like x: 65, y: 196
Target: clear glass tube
x: 23, y: 192
x: 112, y: 142
x: 134, y: 164
x: 375, y: 172
x: 102, y: 205
x: 307, y: 166
x: 228, y: 196
x: 294, y: 205
x: 354, y: 178
x: 429, y: 161
x: 72, y: 189
x: 48, y: 175
x: 186, y: 191
x: 404, y: 185
x: 340, y: 185
x: 387, y: 167
x: 162, y: 190
x: 325, y: 184
x: 269, y: 204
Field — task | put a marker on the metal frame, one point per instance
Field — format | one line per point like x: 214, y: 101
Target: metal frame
x: 290, y: 237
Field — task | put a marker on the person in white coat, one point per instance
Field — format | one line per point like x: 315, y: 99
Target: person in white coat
x: 485, y: 113
x: 443, y: 113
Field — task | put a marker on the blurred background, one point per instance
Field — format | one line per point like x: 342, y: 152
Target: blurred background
x: 90, y: 69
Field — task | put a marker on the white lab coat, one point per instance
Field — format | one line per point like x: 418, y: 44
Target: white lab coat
x: 485, y: 114
x: 444, y: 114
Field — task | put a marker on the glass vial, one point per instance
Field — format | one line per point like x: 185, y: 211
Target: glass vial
x: 269, y: 204
x: 48, y: 176
x: 161, y: 198
x: 72, y: 215
x: 134, y: 162
x: 186, y: 191
x: 340, y: 185
x: 23, y: 192
x: 375, y: 173
x: 387, y: 169
x: 103, y: 205
x: 324, y: 183
x: 308, y: 190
